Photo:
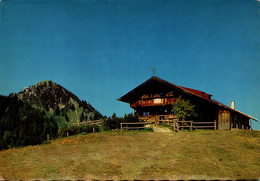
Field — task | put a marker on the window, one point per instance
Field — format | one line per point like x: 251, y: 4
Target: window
x: 161, y: 117
x: 157, y: 101
x: 145, y: 113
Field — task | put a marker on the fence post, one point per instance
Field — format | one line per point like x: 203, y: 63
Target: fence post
x: 215, y: 125
x: 67, y: 134
x: 93, y: 129
x: 242, y: 126
x: 174, y: 125
x: 48, y: 137
x: 191, y: 125
x: 121, y: 127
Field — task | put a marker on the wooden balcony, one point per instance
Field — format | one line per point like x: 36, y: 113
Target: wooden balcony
x: 153, y: 102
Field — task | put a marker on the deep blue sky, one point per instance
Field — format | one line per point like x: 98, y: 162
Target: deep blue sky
x: 102, y: 49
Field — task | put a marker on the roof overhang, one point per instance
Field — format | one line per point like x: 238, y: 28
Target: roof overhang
x: 128, y: 96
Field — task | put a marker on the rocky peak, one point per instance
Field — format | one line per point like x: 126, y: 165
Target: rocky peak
x: 52, y: 97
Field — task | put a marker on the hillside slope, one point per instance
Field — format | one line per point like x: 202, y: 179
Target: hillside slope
x: 26, y: 118
x: 139, y: 155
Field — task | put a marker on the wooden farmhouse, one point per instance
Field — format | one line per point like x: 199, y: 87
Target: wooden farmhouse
x: 152, y: 101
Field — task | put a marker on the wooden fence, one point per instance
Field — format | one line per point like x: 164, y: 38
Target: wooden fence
x: 182, y: 124
x: 177, y: 125
x: 205, y: 125
x: 87, y: 122
x: 127, y: 125
x: 193, y: 125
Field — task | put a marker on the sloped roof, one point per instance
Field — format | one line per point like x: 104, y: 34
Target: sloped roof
x: 203, y: 95
x: 229, y: 108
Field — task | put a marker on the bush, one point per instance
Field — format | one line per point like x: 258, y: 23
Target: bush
x: 113, y: 122
x: 89, y: 128
x: 183, y: 109
x: 131, y: 118
x: 75, y: 129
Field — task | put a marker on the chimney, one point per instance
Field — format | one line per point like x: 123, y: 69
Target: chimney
x: 233, y: 104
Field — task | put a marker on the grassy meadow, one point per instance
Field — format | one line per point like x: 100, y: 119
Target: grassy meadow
x: 138, y: 155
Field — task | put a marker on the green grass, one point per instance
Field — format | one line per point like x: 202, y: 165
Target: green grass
x: 138, y: 155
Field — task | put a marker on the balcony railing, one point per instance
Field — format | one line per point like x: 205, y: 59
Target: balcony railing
x: 153, y: 102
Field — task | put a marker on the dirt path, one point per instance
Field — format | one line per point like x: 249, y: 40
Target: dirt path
x: 161, y: 130
x: 1, y: 178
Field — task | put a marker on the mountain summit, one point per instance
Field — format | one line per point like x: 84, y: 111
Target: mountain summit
x: 55, y: 99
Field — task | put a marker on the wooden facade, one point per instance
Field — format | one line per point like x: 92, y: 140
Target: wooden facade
x: 224, y: 119
x: 152, y: 101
